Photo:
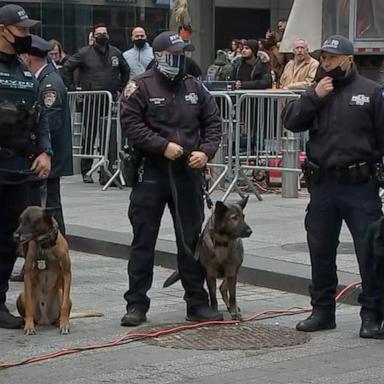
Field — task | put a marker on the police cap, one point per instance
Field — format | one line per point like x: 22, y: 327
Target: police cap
x: 12, y: 14
x: 338, y: 45
x: 39, y: 46
x: 170, y: 41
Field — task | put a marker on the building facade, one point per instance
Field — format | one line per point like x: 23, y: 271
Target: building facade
x: 214, y: 22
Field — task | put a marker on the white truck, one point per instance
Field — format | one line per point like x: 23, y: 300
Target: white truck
x: 362, y: 21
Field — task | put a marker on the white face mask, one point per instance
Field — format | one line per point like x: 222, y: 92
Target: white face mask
x: 169, y: 64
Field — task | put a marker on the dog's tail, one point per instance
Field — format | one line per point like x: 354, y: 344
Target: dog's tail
x: 172, y: 279
x: 84, y: 314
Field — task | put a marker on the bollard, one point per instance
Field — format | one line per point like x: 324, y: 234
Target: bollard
x: 290, y: 181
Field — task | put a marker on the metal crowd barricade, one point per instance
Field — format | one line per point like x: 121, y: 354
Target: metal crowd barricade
x: 223, y: 157
x: 117, y: 176
x: 91, y: 116
x: 260, y: 137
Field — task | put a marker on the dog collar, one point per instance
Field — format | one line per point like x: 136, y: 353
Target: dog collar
x: 217, y: 243
x: 49, y: 239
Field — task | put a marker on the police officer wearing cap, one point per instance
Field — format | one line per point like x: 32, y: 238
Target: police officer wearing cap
x: 174, y: 122
x: 344, y: 113
x: 25, y: 146
x: 53, y: 98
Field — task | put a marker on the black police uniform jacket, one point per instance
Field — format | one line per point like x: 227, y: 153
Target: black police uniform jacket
x: 23, y: 127
x: 98, y: 70
x: 346, y: 127
x: 156, y: 111
x: 53, y: 98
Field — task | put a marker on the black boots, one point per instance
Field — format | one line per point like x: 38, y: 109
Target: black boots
x: 370, y: 328
x: 203, y: 313
x: 317, y: 321
x: 134, y: 317
x: 9, y: 321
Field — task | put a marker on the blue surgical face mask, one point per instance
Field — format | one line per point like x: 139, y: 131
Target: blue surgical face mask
x: 170, y: 64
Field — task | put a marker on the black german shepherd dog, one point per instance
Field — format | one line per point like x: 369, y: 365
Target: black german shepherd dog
x: 220, y: 251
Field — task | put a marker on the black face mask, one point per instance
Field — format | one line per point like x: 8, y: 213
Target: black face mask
x: 336, y: 73
x: 139, y: 43
x: 102, y: 40
x: 22, y: 44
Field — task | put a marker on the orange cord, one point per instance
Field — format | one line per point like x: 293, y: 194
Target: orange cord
x: 141, y: 335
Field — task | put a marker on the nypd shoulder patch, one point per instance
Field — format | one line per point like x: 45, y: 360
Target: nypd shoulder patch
x: 49, y: 98
x: 130, y: 89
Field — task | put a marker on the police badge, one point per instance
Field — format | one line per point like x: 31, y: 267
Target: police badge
x: 49, y: 98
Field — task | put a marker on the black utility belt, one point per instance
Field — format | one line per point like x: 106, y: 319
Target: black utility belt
x: 357, y: 173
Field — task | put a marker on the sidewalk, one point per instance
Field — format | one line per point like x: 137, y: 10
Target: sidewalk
x: 337, y: 356
x: 276, y: 253
x: 276, y: 256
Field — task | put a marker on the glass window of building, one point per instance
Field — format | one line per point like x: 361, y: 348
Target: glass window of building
x: 71, y: 21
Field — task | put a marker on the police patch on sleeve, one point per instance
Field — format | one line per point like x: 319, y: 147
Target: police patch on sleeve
x: 49, y: 98
x: 129, y: 89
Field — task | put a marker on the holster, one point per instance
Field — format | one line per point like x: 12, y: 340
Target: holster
x: 312, y: 174
x: 130, y: 162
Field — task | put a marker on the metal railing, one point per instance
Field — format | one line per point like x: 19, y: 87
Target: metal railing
x: 253, y: 138
x: 91, y: 113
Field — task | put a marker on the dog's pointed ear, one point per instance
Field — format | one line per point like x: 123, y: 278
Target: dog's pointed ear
x: 243, y: 202
x: 220, y: 209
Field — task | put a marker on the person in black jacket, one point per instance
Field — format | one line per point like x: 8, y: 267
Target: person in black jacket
x: 53, y: 98
x: 253, y: 71
x: 344, y: 113
x: 174, y: 122
x: 101, y: 67
x: 25, y: 146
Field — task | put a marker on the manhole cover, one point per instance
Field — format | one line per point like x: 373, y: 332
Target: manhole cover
x: 342, y: 249
x: 228, y: 337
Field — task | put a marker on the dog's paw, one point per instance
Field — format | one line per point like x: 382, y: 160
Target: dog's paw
x: 236, y: 315
x: 30, y: 331
x: 64, y: 331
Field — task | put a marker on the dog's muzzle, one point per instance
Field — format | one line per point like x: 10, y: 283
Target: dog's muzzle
x: 21, y: 238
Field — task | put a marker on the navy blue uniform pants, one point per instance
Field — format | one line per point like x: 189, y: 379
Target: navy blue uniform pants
x: 148, y: 200
x: 330, y: 204
x: 13, y: 201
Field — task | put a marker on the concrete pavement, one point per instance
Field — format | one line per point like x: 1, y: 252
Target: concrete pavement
x: 98, y: 284
x: 276, y: 253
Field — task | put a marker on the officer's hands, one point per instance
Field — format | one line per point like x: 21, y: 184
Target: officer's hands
x: 324, y: 87
x: 198, y: 159
x: 173, y: 151
x: 238, y: 84
x: 42, y: 165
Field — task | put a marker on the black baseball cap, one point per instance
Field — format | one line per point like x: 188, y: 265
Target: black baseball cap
x: 39, y: 46
x: 12, y: 14
x: 338, y: 45
x: 170, y: 41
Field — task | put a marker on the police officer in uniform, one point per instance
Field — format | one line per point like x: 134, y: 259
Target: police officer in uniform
x: 344, y: 113
x: 174, y: 122
x: 24, y: 140
x: 53, y: 98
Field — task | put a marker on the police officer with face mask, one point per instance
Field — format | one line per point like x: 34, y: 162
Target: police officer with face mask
x: 174, y: 122
x: 101, y: 68
x: 344, y: 113
x: 140, y: 55
x: 25, y: 146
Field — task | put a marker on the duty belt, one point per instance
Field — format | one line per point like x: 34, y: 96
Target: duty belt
x: 357, y: 173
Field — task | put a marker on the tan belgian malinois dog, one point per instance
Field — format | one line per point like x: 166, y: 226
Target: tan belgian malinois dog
x: 45, y: 299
